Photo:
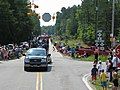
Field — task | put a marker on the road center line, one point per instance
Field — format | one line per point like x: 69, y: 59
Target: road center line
x: 41, y: 82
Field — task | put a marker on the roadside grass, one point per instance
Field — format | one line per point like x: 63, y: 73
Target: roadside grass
x: 98, y: 86
x: 72, y: 42
x: 91, y: 58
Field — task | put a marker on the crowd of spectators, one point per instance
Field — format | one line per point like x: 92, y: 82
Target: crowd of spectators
x: 12, y: 51
x: 108, y: 75
x: 72, y: 51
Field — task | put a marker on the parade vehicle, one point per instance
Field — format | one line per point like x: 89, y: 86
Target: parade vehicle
x: 44, y: 41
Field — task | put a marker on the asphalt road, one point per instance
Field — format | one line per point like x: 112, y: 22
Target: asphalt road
x: 63, y: 74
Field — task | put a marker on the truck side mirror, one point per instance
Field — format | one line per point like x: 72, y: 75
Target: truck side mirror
x: 24, y: 54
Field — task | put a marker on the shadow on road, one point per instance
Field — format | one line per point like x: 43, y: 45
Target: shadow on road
x: 39, y: 69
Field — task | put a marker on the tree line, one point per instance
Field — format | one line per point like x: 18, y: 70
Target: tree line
x: 17, y: 21
x: 83, y: 21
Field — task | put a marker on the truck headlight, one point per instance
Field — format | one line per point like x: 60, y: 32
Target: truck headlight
x: 26, y: 60
x: 43, y: 60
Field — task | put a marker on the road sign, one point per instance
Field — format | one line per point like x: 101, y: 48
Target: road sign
x: 102, y: 48
x: 101, y: 44
x: 96, y: 44
x: 99, y: 38
x: 46, y: 17
x: 117, y: 51
x: 96, y: 41
x: 99, y: 34
x: 102, y: 41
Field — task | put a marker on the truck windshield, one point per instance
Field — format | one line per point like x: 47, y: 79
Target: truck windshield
x: 36, y: 53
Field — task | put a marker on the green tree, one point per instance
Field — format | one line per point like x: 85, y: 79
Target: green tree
x: 80, y: 31
x: 68, y: 28
x: 16, y: 24
x: 84, y: 20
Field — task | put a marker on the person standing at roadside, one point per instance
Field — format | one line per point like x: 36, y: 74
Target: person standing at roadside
x: 110, y: 69
x: 115, y: 62
x: 100, y: 68
x: 111, y: 54
x: 5, y: 54
x: 96, y: 54
x: 72, y: 52
x: 103, y: 79
x: 1, y: 54
x: 115, y: 79
x: 17, y: 52
x: 94, y: 73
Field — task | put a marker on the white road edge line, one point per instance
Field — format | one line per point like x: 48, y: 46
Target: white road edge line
x: 85, y: 77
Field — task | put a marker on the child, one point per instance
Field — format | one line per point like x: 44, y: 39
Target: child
x: 103, y: 78
x: 100, y: 68
x: 94, y: 72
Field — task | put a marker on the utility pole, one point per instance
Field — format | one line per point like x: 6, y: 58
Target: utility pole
x: 96, y: 18
x: 113, y: 16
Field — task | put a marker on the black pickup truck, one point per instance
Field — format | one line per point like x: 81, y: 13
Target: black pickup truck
x: 36, y: 57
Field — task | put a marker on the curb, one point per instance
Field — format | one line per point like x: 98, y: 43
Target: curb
x: 86, y: 81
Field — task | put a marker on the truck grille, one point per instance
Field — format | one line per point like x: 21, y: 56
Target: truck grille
x: 35, y: 61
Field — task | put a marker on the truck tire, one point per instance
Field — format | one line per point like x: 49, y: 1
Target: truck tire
x: 26, y: 68
x: 46, y: 68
